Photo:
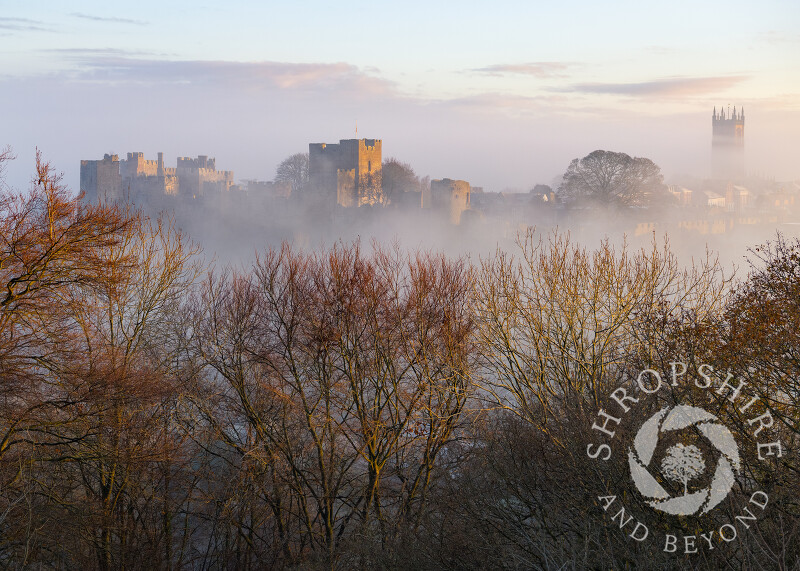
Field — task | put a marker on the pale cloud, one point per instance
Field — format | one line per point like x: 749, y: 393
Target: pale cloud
x: 661, y: 50
x: 103, y: 67
x: 79, y: 54
x: 505, y: 102
x: 108, y: 20
x: 668, y: 87
x: 778, y: 38
x: 23, y: 25
x: 776, y: 103
x: 540, y: 69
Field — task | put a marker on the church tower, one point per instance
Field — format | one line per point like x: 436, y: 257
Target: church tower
x: 727, y: 144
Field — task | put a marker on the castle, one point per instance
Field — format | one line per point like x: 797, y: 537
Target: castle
x: 727, y: 144
x: 138, y: 180
x: 344, y: 175
x: 347, y: 173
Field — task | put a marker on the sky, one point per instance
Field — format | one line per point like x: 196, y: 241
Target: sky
x: 502, y: 94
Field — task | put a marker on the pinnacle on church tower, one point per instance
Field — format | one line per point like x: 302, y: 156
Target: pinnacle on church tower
x: 727, y: 143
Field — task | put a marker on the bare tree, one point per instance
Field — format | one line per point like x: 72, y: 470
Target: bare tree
x: 561, y: 327
x: 763, y: 335
x: 347, y: 375
x: 559, y: 322
x: 6, y: 154
x: 103, y: 434
x: 50, y: 242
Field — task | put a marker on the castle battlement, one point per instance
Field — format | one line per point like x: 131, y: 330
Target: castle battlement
x: 204, y: 172
x: 139, y: 179
x: 201, y: 162
x: 347, y: 173
x: 450, y: 195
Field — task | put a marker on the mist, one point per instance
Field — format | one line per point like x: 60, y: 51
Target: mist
x: 250, y: 132
x: 399, y: 285
x: 251, y: 128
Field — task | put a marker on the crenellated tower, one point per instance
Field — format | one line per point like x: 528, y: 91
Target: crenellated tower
x: 347, y: 173
x: 727, y: 144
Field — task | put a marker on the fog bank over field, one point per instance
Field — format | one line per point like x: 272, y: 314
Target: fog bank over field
x: 238, y: 242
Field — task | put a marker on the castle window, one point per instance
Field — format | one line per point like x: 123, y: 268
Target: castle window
x: 369, y: 166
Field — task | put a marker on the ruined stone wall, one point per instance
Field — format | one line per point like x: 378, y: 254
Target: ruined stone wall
x: 171, y: 183
x: 212, y: 175
x: 208, y: 187
x: 148, y: 189
x: 189, y: 182
x: 268, y: 189
x: 451, y: 196
x: 346, y: 194
x: 147, y: 182
x: 199, y: 176
x: 201, y: 162
x: 101, y: 180
x: 324, y: 161
x: 136, y: 165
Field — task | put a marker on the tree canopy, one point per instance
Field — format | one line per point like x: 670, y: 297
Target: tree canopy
x: 293, y: 170
x: 398, y: 177
x: 613, y: 179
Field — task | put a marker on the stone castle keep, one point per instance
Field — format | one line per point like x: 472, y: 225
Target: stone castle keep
x: 347, y: 173
x: 450, y: 196
x: 136, y: 180
x: 727, y: 144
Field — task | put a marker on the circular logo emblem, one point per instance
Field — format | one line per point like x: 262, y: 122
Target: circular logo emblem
x: 681, y: 463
